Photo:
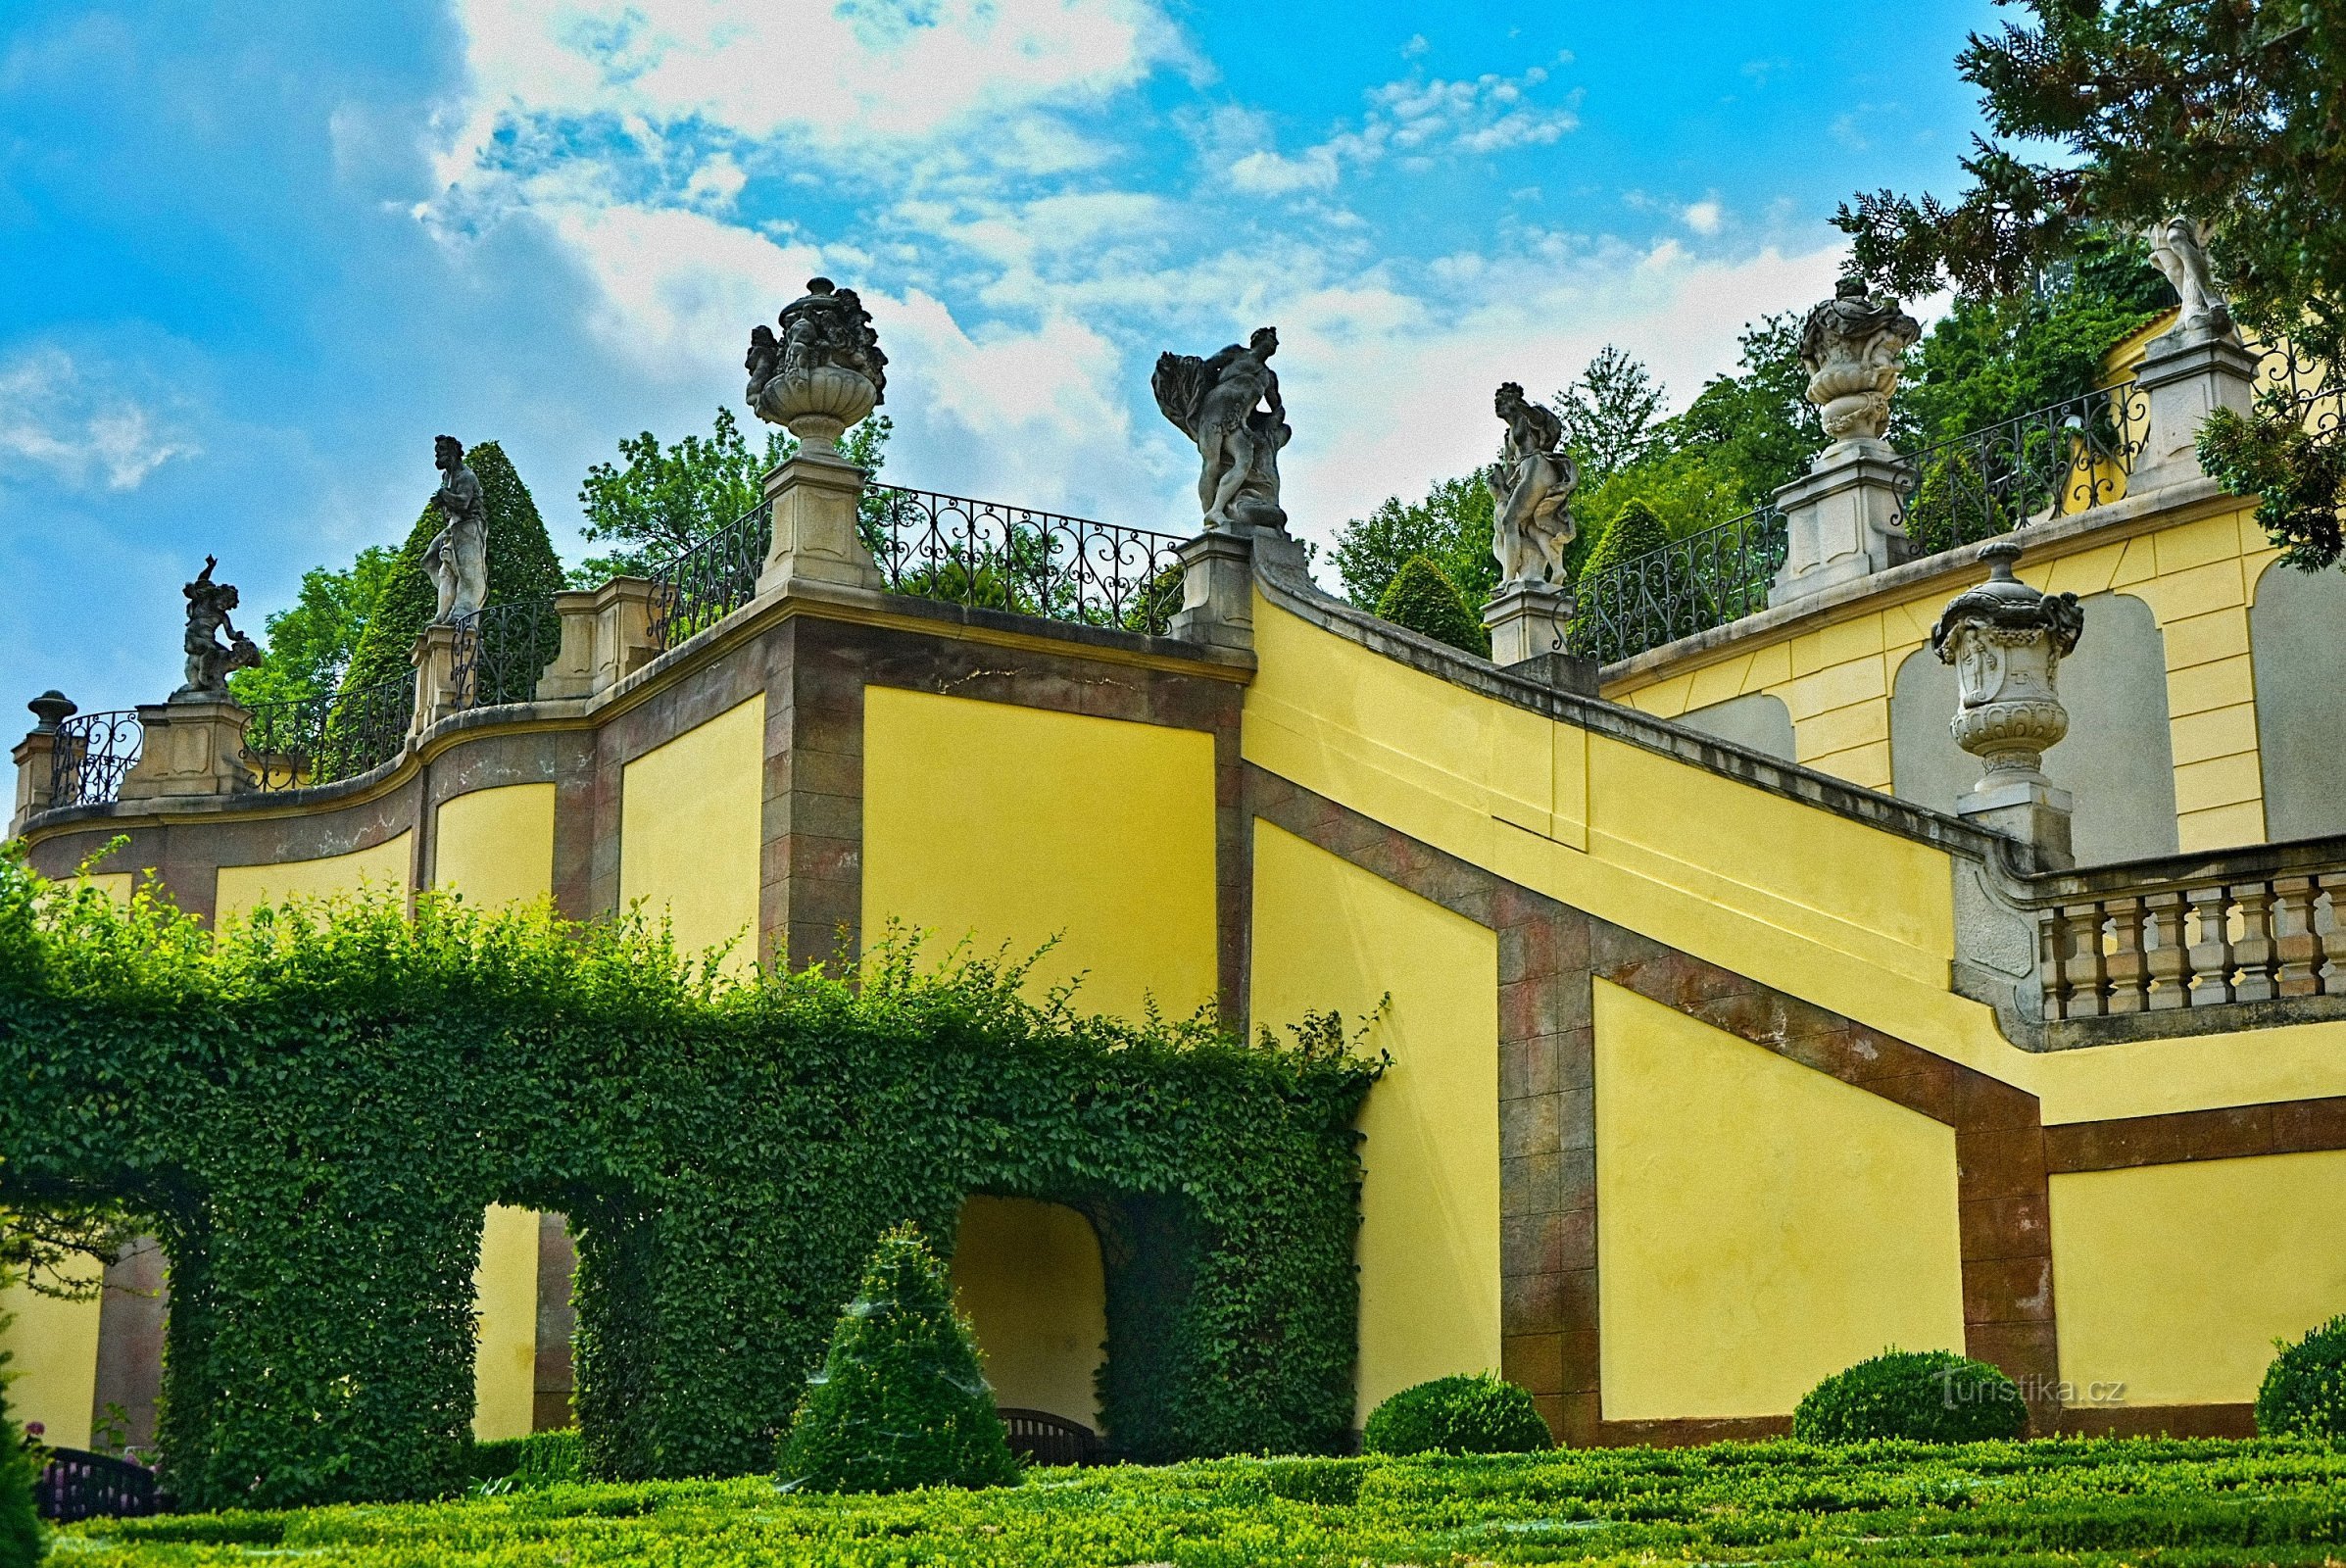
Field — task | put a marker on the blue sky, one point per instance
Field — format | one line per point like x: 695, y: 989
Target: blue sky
x: 256, y: 257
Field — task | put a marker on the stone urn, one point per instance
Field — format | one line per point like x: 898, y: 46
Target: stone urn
x: 2006, y: 641
x: 817, y: 402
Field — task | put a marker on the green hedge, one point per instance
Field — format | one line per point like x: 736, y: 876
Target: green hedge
x: 1920, y: 1396
x: 541, y: 1459
x: 23, y: 1537
x: 1422, y: 598
x: 1482, y: 1414
x: 2304, y: 1393
x: 314, y: 1109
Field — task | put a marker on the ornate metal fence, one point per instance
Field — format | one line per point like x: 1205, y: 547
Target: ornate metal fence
x: 92, y: 755
x: 501, y: 651
x: 2052, y: 462
x: 711, y: 580
x: 317, y: 740
x: 2287, y: 377
x: 990, y: 556
x: 1689, y: 585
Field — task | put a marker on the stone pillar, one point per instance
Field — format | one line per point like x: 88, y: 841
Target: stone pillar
x: 814, y: 497
x: 2006, y: 641
x: 192, y: 747
x: 35, y: 755
x: 623, y: 641
x: 572, y: 672
x: 1527, y: 620
x: 434, y: 660
x: 1217, y: 589
x: 2185, y: 376
x: 1841, y: 520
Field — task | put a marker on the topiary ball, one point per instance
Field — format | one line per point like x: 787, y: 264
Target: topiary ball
x: 1480, y: 1414
x: 2303, y: 1393
x: 1422, y: 598
x: 1921, y: 1396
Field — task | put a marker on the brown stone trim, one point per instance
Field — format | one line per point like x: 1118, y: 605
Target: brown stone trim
x: 1550, y: 1336
x: 2234, y: 1132
x: 2160, y: 1420
x: 553, y: 1376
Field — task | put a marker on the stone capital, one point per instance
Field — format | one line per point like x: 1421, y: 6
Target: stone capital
x: 1841, y: 520
x: 572, y: 674
x: 815, y: 497
x: 191, y: 747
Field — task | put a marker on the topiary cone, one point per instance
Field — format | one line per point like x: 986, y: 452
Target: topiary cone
x: 901, y: 1401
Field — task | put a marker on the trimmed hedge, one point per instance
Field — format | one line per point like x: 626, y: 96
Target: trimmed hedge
x: 1480, y: 1414
x: 900, y: 1402
x: 24, y: 1537
x: 1921, y: 1396
x: 314, y: 1108
x: 1422, y: 598
x: 2304, y: 1393
x: 1634, y: 530
x: 541, y: 1459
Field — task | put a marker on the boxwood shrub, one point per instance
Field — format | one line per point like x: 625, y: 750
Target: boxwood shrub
x: 1921, y: 1396
x: 1480, y: 1414
x: 2303, y: 1393
x: 541, y: 1459
x: 23, y: 1536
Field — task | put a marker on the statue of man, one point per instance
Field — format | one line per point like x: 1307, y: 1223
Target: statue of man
x: 1530, y: 484
x: 1229, y: 405
x: 208, y: 660
x: 1850, y: 346
x: 457, y: 558
x: 2179, y: 248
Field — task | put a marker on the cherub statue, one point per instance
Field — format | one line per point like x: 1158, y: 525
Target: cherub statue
x: 829, y: 325
x: 765, y: 361
x: 457, y: 558
x: 2179, y: 248
x: 1530, y: 484
x: 209, y: 661
x: 1850, y: 346
x: 1229, y: 405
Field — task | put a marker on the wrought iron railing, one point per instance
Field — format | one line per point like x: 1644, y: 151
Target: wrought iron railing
x: 709, y: 581
x: 92, y: 755
x: 501, y: 651
x: 75, y: 1484
x: 1689, y: 586
x: 318, y: 740
x: 2053, y: 461
x: 991, y: 555
x: 2287, y: 377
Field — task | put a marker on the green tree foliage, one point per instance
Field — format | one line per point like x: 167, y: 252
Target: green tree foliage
x: 1634, y: 530
x: 1450, y: 528
x: 661, y: 499
x: 1611, y: 414
x: 312, y: 1109
x: 311, y: 641
x: 1422, y: 598
x: 523, y: 566
x: 1755, y: 428
x: 1921, y: 1396
x: 2126, y: 113
x: 23, y: 1539
x: 2304, y: 1393
x: 900, y: 1402
x: 1481, y: 1414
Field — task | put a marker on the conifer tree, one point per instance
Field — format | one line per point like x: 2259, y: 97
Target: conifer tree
x: 23, y: 1537
x: 1422, y: 598
x: 900, y: 1402
x: 1633, y: 532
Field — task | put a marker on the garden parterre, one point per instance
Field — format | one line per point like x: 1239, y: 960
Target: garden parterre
x: 2071, y: 1501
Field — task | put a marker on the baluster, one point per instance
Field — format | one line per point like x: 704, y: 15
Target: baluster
x: 2296, y: 945
x: 2167, y: 961
x: 2252, y: 952
x: 2126, y: 965
x: 2084, y: 973
x: 2052, y: 927
x: 2211, y: 954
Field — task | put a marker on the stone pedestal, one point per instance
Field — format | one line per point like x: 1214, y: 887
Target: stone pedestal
x: 2037, y: 811
x: 572, y: 674
x: 436, y: 694
x: 1217, y: 589
x: 814, y: 497
x: 1840, y: 521
x: 2183, y: 378
x: 35, y: 755
x: 1527, y: 620
x: 191, y: 747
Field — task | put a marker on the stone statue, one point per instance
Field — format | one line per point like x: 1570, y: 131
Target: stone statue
x: 2178, y: 247
x: 457, y: 558
x: 209, y: 661
x: 1530, y: 484
x: 1850, y: 346
x: 824, y: 372
x: 2006, y: 641
x: 1229, y: 404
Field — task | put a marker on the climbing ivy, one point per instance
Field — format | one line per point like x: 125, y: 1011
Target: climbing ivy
x: 313, y: 1108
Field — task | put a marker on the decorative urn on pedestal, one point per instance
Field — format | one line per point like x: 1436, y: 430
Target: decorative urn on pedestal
x: 2006, y: 641
x: 824, y: 372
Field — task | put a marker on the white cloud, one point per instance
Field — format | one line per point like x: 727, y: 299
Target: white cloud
x: 1704, y: 216
x: 55, y: 417
x: 1267, y: 173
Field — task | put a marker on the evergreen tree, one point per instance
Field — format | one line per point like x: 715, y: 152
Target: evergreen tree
x: 23, y: 1539
x: 1610, y: 413
x: 1422, y: 598
x: 1633, y: 532
x: 1758, y: 428
x: 901, y: 1401
x: 523, y: 566
x: 311, y: 642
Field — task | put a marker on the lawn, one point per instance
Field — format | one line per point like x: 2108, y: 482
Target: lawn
x: 2052, y: 1502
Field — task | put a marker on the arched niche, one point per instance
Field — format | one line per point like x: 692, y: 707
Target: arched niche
x: 2118, y: 761
x: 2294, y: 643
x: 1028, y: 1276
x: 1757, y: 719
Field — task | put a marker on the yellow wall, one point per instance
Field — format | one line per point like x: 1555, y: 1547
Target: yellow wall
x: 691, y: 824
x: 2177, y: 1279
x: 504, y: 1292
x: 52, y: 1370
x: 1028, y: 1277
x: 1760, y: 1225
x: 1012, y: 824
x: 496, y: 846
x: 1328, y: 934
x: 2197, y: 576
x: 239, y: 888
